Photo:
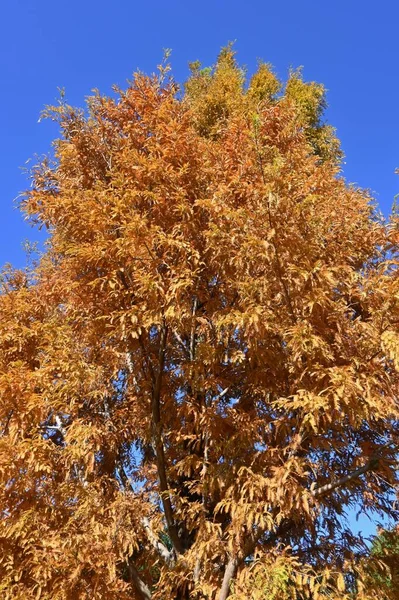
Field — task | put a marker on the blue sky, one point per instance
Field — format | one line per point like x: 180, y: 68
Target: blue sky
x: 349, y: 45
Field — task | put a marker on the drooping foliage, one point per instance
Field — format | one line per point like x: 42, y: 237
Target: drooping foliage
x: 200, y: 375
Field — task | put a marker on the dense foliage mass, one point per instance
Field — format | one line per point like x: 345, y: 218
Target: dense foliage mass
x: 200, y: 374
x: 383, y: 574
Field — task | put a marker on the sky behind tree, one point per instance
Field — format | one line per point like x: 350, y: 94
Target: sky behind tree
x: 349, y: 46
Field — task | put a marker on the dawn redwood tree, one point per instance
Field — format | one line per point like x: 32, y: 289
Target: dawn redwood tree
x: 200, y: 374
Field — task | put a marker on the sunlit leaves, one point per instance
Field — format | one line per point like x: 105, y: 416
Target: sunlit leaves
x: 202, y: 370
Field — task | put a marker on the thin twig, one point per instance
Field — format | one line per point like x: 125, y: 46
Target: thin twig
x: 193, y: 328
x: 7, y: 423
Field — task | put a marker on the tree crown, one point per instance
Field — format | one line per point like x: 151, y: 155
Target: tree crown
x: 200, y: 375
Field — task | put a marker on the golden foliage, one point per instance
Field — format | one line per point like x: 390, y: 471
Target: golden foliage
x: 201, y: 374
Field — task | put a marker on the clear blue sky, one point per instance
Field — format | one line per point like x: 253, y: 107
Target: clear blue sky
x: 349, y: 45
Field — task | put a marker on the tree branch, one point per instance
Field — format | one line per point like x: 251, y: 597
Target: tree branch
x: 5, y: 430
x: 167, y: 555
x: 156, y: 426
x: 330, y: 487
x: 229, y: 573
x: 193, y: 328
x: 288, y: 524
x: 197, y: 570
x: 141, y: 587
x: 146, y: 359
x: 181, y: 342
x: 333, y: 485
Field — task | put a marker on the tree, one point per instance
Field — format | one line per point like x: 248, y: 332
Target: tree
x: 201, y: 373
x: 382, y: 564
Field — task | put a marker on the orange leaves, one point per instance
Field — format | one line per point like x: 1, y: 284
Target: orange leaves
x: 390, y: 344
x: 209, y: 339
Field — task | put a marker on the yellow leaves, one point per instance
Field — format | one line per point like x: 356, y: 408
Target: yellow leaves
x: 390, y: 345
x: 309, y: 97
x: 282, y: 576
x: 341, y: 583
x: 264, y: 84
x: 306, y: 345
x: 215, y: 93
x: 266, y: 579
x: 112, y: 283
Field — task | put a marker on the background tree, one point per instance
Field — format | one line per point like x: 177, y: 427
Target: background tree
x: 201, y: 373
x: 382, y: 564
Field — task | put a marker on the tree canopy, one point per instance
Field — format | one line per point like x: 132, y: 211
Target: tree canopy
x: 200, y: 374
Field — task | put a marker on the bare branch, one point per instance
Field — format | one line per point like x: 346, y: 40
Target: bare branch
x: 181, y: 342
x: 229, y: 573
x: 168, y: 556
x: 141, y: 587
x: 165, y: 554
x: 288, y: 524
x: 197, y: 570
x: 223, y: 393
x: 60, y: 425
x: 129, y: 363
x: 333, y: 485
